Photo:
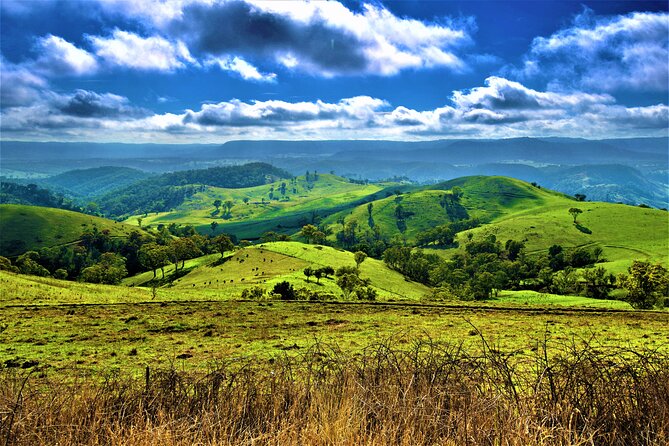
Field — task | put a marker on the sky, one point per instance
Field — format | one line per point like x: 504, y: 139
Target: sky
x: 209, y: 71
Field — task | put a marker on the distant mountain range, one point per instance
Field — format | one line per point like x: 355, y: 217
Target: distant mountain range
x: 633, y: 170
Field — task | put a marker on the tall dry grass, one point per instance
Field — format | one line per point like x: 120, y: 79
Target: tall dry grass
x: 422, y: 394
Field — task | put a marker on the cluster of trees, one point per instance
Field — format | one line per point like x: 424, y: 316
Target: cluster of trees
x: 325, y: 271
x: 486, y: 266
x: 444, y: 235
x: 101, y: 258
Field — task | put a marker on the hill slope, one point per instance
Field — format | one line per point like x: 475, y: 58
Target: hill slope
x: 484, y: 198
x: 24, y: 228
x: 164, y: 192
x: 259, y: 209
x: 96, y: 181
x: 269, y: 263
x: 623, y: 232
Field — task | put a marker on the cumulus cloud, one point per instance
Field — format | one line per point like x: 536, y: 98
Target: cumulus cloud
x: 236, y: 113
x: 321, y: 38
x: 242, y: 68
x: 499, y: 109
x: 59, y: 57
x: 89, y: 104
x: 129, y: 50
x: 18, y: 85
x: 604, y: 53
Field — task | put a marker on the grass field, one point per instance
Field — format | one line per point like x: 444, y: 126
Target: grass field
x: 23, y: 228
x: 64, y: 325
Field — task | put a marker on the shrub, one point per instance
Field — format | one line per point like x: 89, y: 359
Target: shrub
x: 285, y: 290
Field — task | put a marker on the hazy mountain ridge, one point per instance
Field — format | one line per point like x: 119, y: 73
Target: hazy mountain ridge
x: 547, y: 161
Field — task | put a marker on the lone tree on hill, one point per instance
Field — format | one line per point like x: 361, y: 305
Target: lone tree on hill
x: 223, y: 243
x: 308, y: 272
x: 574, y: 212
x: 217, y: 204
x: 213, y: 226
x: 359, y: 257
x: 228, y: 206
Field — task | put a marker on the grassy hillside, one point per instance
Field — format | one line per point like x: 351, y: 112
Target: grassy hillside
x: 484, y: 198
x: 623, y: 232
x: 168, y: 191
x: 24, y: 228
x: 302, y: 202
x: 269, y: 263
x: 96, y: 181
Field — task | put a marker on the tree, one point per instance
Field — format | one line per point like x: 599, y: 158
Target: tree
x: 327, y: 270
x: 579, y: 197
x: 646, y: 284
x: 359, y: 257
x: 308, y: 271
x: 6, y: 265
x: 285, y: 290
x: 28, y: 264
x: 318, y: 274
x: 153, y: 256
x: 245, y: 200
x: 311, y: 233
x: 182, y: 249
x: 139, y: 221
x: 574, y: 212
x: 109, y: 269
x: 217, y: 204
x: 228, y: 206
x: 223, y: 244
x: 598, y: 282
x: 213, y: 226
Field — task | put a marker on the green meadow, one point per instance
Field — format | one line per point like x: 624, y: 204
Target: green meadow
x: 80, y: 328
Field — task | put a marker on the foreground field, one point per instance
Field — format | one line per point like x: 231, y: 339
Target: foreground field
x: 404, y: 391
x: 64, y: 327
x: 92, y: 364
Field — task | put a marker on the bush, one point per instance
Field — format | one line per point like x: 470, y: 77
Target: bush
x: 285, y: 290
x: 253, y: 293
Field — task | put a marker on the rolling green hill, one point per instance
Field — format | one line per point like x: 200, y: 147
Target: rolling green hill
x: 23, y: 228
x: 623, y: 232
x: 269, y: 263
x: 485, y: 198
x: 96, y: 181
x: 168, y: 191
x: 259, y: 209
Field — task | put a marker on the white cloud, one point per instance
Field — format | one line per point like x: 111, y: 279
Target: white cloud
x: 605, y: 53
x: 60, y: 57
x: 129, y: 50
x: 18, y: 85
x: 236, y: 113
x: 499, y: 109
x: 321, y: 38
x: 241, y: 67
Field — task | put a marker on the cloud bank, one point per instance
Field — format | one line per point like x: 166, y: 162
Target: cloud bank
x: 604, y: 53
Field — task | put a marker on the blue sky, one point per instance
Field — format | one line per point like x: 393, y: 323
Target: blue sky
x: 212, y: 71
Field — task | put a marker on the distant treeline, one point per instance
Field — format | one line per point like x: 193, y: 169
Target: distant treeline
x: 165, y: 192
x: 31, y: 194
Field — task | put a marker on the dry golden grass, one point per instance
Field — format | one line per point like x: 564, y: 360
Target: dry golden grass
x: 423, y: 394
